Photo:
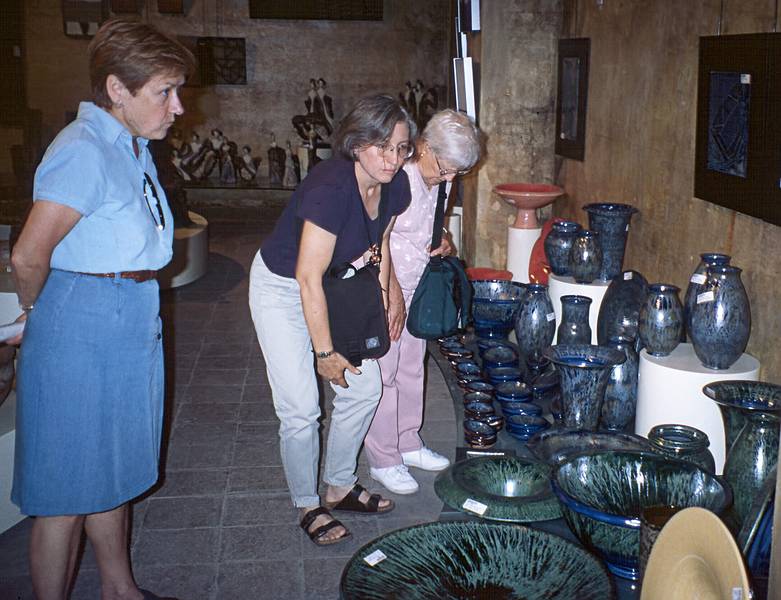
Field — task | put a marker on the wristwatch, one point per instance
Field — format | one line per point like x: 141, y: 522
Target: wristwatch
x: 325, y: 354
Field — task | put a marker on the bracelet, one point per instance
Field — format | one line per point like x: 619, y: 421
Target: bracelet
x: 325, y: 354
x: 26, y: 307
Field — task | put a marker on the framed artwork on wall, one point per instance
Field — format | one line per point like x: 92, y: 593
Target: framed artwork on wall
x: 738, y: 149
x: 571, y: 96
x: 82, y: 18
x: 325, y: 10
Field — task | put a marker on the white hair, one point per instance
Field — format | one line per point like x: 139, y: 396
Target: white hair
x: 454, y: 138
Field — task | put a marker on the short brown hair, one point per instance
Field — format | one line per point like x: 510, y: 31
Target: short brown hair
x: 134, y: 52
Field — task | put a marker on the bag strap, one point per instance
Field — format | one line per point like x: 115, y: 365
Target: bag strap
x: 439, y: 217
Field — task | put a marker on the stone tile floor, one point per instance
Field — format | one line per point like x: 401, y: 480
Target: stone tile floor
x: 219, y: 525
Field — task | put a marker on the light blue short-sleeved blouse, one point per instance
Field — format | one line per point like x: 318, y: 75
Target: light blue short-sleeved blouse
x: 90, y: 166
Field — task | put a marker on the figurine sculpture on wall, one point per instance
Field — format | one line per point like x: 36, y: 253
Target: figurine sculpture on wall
x: 421, y: 103
x: 292, y: 172
x: 171, y: 180
x: 276, y: 163
x: 228, y: 160
x: 319, y: 113
x: 247, y: 166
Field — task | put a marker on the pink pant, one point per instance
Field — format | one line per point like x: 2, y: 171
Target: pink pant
x: 399, y: 415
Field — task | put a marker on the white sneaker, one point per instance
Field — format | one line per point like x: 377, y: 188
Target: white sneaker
x: 425, y: 459
x: 396, y: 479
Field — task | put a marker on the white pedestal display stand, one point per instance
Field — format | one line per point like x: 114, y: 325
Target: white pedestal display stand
x: 669, y: 390
x: 559, y: 286
x: 191, y: 254
x: 519, y: 250
x: 453, y: 225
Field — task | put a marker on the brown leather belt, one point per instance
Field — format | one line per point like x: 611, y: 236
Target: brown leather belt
x: 137, y: 276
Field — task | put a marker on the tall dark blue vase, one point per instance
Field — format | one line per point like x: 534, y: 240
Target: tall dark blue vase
x: 558, y: 244
x: 612, y: 223
x: 721, y: 318
x: 661, y: 319
x: 618, y: 408
x: 535, y: 324
x: 697, y: 282
x: 574, y: 327
x: 585, y: 256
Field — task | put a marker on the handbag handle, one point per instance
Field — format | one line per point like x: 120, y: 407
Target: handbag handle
x: 439, y: 217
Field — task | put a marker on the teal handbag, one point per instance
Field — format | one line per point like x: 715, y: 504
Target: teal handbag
x: 442, y: 301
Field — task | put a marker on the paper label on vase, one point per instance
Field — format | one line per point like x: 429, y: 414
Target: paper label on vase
x: 627, y: 275
x: 698, y: 278
x: 550, y: 316
x: 705, y: 297
x: 374, y: 558
x: 627, y: 226
x: 474, y: 506
x: 737, y: 594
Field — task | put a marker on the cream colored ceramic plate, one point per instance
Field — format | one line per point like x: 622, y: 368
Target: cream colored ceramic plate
x: 695, y: 557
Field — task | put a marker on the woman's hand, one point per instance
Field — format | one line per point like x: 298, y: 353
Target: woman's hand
x: 17, y: 339
x: 445, y: 246
x: 332, y: 368
x: 397, y: 313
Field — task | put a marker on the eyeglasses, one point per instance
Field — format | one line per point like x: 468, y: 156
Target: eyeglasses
x: 160, y: 221
x: 404, y: 151
x: 446, y: 172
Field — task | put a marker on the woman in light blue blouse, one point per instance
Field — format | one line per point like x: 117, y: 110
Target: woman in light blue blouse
x: 90, y: 378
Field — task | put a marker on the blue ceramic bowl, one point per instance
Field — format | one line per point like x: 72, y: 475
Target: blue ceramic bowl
x: 478, y: 434
x: 496, y: 422
x: 501, y: 374
x: 480, y: 386
x: 454, y: 362
x: 494, y: 306
x: 465, y: 380
x: 456, y: 337
x: 450, y: 345
x: 523, y: 427
x: 478, y: 397
x: 557, y: 445
x: 477, y: 410
x: 485, y: 344
x: 602, y: 494
x: 501, y: 356
x: 468, y: 368
x: 513, y: 391
x: 521, y: 408
x: 455, y: 352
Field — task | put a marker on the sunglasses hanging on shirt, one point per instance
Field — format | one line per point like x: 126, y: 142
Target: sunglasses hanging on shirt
x: 160, y: 220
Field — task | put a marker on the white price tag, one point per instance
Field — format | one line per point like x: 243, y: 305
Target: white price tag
x: 474, y: 506
x: 698, y: 278
x: 374, y: 558
x: 737, y: 594
x: 627, y: 275
x: 550, y: 316
x: 627, y: 226
x: 745, y: 78
x: 705, y: 297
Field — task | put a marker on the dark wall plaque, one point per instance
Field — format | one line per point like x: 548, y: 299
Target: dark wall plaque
x: 571, y: 96
x: 326, y: 10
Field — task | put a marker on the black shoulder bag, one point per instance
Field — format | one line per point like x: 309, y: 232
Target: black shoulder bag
x: 442, y: 301
x: 356, y: 311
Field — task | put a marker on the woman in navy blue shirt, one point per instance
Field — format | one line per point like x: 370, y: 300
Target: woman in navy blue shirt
x: 326, y: 222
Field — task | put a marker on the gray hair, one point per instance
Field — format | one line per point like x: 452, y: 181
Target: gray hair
x: 371, y: 121
x: 454, y: 138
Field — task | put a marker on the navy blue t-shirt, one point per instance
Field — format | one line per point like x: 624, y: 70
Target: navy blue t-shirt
x: 329, y: 198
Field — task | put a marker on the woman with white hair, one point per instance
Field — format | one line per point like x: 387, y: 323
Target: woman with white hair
x: 449, y: 146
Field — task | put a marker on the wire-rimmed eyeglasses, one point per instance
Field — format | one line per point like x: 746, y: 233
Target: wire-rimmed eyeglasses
x: 446, y: 172
x: 404, y: 151
x: 160, y: 221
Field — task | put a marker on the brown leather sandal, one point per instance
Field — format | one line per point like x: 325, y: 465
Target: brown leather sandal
x: 316, y: 535
x: 351, y: 502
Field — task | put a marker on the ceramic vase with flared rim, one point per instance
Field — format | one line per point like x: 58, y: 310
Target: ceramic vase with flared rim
x: 683, y: 442
x: 535, y: 323
x: 661, y: 319
x: 612, y: 222
x: 585, y: 256
x: 721, y: 318
x: 584, y: 371
x: 696, y: 283
x: 558, y: 244
x: 574, y: 327
x: 620, y: 404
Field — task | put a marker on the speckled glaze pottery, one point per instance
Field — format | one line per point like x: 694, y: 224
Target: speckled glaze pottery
x: 574, y: 327
x: 454, y: 362
x: 603, y: 494
x: 501, y: 356
x: 697, y: 282
x: 618, y: 408
x: 523, y: 427
x: 756, y: 536
x: 535, y: 324
x: 721, y: 318
x: 485, y: 344
x: 682, y: 442
x: 585, y: 256
x: 557, y: 445
x: 619, y: 312
x: 480, y: 386
x: 661, y: 319
x: 584, y: 371
x: 612, y: 222
x: 478, y: 434
x: 513, y: 391
x: 521, y: 408
x: 456, y: 352
x: 751, y: 411
x: 481, y: 397
x: 465, y: 380
x: 496, y: 422
x: 494, y: 305
x: 512, y: 489
x: 456, y: 337
x: 558, y: 244
x: 457, y: 560
x: 476, y: 410
x: 501, y: 374
x: 468, y: 368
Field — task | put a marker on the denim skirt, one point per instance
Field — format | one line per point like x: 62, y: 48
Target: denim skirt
x: 89, y: 396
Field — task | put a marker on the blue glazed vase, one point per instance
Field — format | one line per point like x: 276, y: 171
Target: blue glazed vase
x: 661, y: 319
x: 584, y: 371
x: 558, y: 244
x: 721, y: 318
x: 585, y: 256
x: 535, y: 324
x: 697, y: 283
x: 618, y: 408
x: 683, y: 442
x: 620, y: 309
x: 574, y: 327
x: 612, y: 223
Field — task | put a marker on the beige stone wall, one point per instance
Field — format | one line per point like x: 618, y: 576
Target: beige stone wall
x: 640, y: 138
x: 355, y: 58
